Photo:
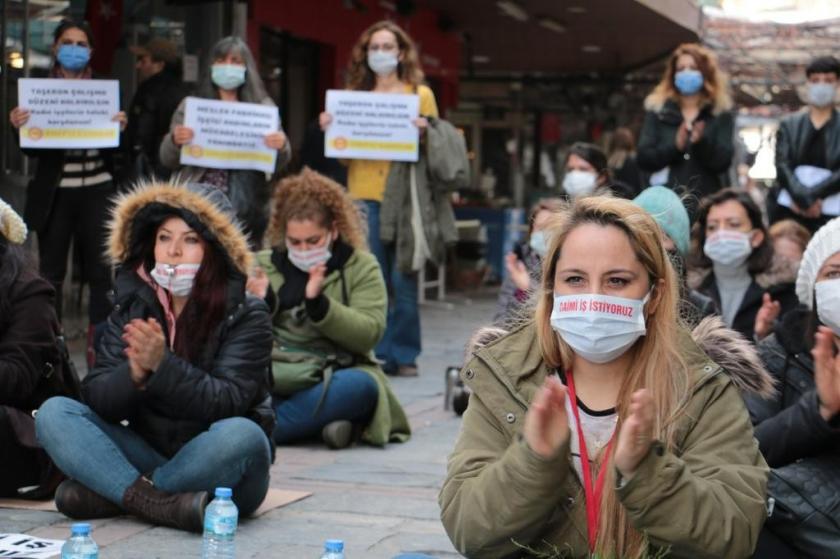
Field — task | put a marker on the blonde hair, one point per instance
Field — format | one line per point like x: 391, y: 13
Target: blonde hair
x: 311, y: 195
x: 715, y: 82
x: 361, y: 77
x: 657, y: 361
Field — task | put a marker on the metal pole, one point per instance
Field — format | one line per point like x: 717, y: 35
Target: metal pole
x: 4, y: 93
x: 25, y: 43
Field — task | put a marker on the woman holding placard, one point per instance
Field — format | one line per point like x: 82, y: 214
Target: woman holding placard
x: 233, y: 76
x: 601, y: 427
x: 68, y: 197
x: 385, y: 60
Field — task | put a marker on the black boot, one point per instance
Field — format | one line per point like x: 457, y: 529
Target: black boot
x: 78, y: 502
x: 184, y: 511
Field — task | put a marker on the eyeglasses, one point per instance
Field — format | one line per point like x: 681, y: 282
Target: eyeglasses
x: 389, y: 47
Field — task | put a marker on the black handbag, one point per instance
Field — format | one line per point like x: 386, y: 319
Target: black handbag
x: 806, y: 510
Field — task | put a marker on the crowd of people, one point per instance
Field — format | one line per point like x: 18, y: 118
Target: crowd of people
x: 661, y: 377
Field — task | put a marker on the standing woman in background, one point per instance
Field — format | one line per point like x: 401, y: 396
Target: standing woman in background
x: 385, y: 60
x: 688, y: 127
x: 233, y: 77
x: 68, y: 197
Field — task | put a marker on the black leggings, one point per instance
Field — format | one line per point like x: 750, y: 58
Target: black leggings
x: 80, y: 214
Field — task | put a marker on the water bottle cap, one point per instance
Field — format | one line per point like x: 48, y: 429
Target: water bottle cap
x: 224, y: 492
x: 334, y: 545
x: 80, y: 529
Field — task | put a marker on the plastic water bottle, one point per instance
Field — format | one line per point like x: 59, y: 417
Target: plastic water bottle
x: 220, y: 519
x: 80, y: 545
x: 333, y: 549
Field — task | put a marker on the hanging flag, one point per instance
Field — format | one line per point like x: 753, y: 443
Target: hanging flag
x: 105, y: 19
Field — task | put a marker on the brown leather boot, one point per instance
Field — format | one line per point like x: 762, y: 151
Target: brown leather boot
x: 184, y: 511
x: 77, y: 501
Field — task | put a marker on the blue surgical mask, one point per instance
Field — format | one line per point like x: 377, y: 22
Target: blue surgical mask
x: 821, y: 94
x: 688, y: 82
x: 73, y: 57
x: 228, y: 76
x: 382, y: 63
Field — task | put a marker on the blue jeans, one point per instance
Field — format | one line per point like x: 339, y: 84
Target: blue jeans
x: 401, y: 343
x: 351, y: 395
x: 108, y: 457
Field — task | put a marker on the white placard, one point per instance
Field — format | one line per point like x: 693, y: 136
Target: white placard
x: 230, y: 135
x: 69, y: 113
x: 26, y: 546
x: 810, y: 177
x: 372, y: 125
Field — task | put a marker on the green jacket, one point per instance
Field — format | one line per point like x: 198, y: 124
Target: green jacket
x: 706, y: 500
x: 355, y: 328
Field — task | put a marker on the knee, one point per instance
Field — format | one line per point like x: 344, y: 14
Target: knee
x: 360, y: 386
x: 52, y: 416
x: 244, y: 439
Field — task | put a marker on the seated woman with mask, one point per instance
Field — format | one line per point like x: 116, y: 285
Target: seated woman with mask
x: 601, y: 427
x: 328, y: 303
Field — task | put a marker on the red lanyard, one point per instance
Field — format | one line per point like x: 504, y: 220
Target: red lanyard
x: 593, y: 495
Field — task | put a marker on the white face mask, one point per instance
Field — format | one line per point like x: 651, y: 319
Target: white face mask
x: 821, y: 94
x: 828, y: 303
x: 305, y: 260
x: 728, y: 248
x: 599, y: 328
x: 382, y: 63
x: 579, y: 183
x: 539, y: 243
x: 177, y: 279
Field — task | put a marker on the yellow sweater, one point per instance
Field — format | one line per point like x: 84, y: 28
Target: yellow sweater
x: 366, y: 178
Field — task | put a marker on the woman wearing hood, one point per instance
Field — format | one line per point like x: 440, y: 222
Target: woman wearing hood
x: 328, y: 301
x: 601, y: 427
x: 184, y: 361
x: 798, y: 429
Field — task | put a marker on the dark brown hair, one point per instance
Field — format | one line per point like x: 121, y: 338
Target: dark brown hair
x: 761, y: 256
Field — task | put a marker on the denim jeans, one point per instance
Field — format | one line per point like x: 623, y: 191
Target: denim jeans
x: 351, y: 395
x: 108, y: 457
x: 401, y: 343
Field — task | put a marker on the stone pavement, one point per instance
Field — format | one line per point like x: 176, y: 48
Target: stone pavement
x: 380, y: 502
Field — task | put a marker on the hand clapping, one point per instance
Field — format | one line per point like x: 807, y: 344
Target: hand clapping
x: 546, y: 424
x: 146, y: 347
x: 636, y: 434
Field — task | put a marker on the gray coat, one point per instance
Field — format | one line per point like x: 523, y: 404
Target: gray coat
x: 442, y: 167
x: 248, y: 190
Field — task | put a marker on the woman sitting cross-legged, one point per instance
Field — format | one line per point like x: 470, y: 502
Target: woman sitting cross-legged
x: 184, y: 361
x: 329, y: 303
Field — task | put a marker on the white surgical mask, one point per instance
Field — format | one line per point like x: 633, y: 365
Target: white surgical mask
x: 177, y: 279
x: 382, y: 63
x: 599, y: 328
x: 828, y: 303
x: 728, y: 248
x: 579, y: 183
x: 538, y: 243
x: 821, y: 94
x: 305, y: 260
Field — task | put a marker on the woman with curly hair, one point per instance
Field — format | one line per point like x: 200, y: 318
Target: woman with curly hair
x: 686, y: 138
x: 385, y: 60
x: 328, y: 304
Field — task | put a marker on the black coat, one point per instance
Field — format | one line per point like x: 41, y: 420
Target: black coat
x: 789, y: 426
x: 180, y: 400
x: 148, y: 121
x: 700, y: 166
x: 792, y: 141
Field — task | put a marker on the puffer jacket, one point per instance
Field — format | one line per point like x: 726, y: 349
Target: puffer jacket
x: 182, y: 399
x: 788, y: 426
x: 705, y: 500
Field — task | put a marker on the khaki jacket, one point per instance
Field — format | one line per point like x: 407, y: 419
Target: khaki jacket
x: 707, y: 499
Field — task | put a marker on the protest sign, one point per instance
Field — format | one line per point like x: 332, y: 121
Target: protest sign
x: 229, y: 135
x: 30, y: 547
x: 69, y: 113
x: 372, y: 125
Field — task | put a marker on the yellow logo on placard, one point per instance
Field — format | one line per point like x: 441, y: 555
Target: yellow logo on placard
x: 378, y: 145
x: 35, y: 133
x: 199, y: 152
x: 340, y: 143
x: 195, y: 151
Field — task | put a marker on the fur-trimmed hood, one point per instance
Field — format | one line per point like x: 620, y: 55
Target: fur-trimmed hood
x: 781, y: 271
x: 204, y: 208
x: 729, y: 349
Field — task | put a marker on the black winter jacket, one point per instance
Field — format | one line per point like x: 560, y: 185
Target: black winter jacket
x: 700, y: 166
x: 789, y: 426
x: 181, y: 399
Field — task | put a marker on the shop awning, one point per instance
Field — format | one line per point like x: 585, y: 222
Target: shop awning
x: 551, y: 37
